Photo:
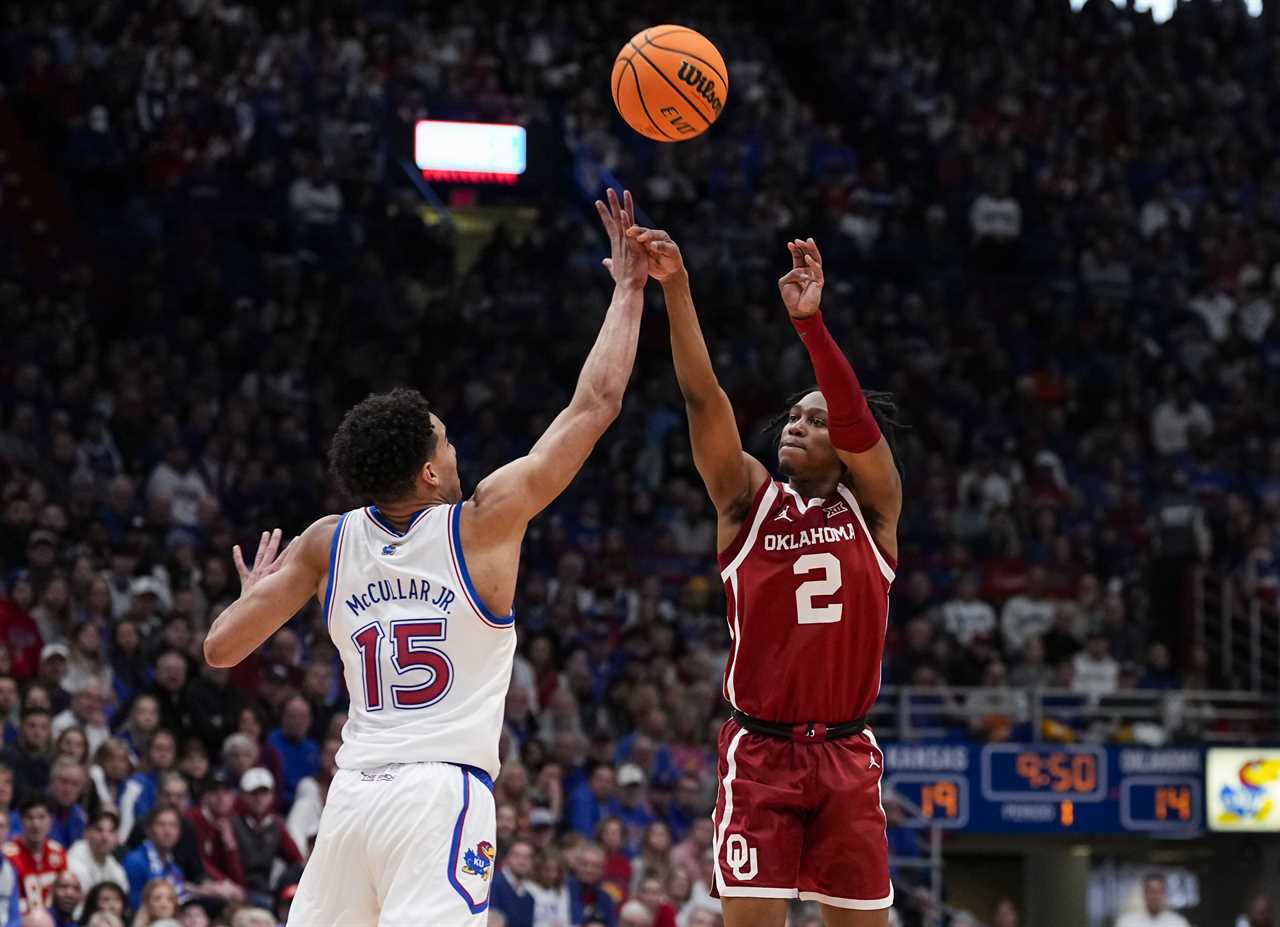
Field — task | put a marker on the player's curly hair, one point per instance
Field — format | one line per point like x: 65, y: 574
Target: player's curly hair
x: 381, y: 445
x: 883, y: 409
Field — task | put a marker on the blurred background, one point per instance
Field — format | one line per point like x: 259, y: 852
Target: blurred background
x: 1051, y: 229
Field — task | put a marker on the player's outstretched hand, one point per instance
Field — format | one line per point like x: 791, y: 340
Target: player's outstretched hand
x: 627, y: 261
x: 665, y: 259
x: 801, y: 287
x: 265, y: 562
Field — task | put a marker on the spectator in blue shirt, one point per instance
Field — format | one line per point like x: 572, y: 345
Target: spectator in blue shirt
x: 66, y: 785
x: 300, y: 754
x: 510, y: 893
x: 593, y: 800
x: 588, y: 898
x: 154, y: 858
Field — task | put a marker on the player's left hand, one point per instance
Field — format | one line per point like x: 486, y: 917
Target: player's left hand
x: 265, y: 561
x: 665, y: 259
x: 801, y: 287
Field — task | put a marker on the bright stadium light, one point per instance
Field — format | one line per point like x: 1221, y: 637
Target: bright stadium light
x: 1161, y: 10
x: 469, y: 152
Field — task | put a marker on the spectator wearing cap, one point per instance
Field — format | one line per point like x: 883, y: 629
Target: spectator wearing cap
x: 510, y: 892
x: 298, y: 752
x: 42, y: 552
x: 53, y: 667
x: 261, y: 835
x: 594, y: 800
x: 67, y: 779
x: 542, y: 827
x: 304, y: 816
x: 211, y: 820
x: 633, y: 803
x: 92, y: 857
x: 29, y: 756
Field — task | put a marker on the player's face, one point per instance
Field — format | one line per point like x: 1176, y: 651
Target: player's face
x: 444, y: 462
x: 805, y: 450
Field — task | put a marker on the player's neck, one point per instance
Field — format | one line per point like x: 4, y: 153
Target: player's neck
x: 809, y: 488
x: 401, y: 513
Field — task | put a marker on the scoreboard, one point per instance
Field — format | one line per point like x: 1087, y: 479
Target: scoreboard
x: 1049, y: 788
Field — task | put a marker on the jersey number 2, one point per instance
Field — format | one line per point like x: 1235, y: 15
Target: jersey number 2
x: 806, y: 611
x: 409, y: 653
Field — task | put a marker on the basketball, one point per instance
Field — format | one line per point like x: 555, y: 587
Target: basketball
x: 669, y: 83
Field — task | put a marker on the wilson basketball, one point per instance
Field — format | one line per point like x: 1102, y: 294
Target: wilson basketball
x: 670, y: 83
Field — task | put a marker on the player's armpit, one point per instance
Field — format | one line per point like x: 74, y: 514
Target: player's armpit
x: 878, y: 485
x: 272, y: 600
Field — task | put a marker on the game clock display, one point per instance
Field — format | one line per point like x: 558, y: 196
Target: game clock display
x: 1048, y: 788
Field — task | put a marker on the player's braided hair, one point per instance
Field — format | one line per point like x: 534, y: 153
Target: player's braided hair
x: 883, y: 409
x: 381, y: 445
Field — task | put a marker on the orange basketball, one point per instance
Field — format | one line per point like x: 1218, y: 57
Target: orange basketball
x: 669, y: 83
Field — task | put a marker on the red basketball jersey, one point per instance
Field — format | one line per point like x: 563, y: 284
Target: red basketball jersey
x: 808, y: 598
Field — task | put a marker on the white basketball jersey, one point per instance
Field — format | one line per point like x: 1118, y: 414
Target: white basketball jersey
x: 426, y: 664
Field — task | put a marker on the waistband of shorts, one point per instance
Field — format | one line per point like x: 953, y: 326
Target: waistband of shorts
x: 805, y: 732
x: 484, y: 777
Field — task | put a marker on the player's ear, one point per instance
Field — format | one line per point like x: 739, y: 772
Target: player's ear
x: 429, y: 474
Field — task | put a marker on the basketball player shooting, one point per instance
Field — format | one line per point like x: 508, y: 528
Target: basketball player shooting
x: 417, y: 589
x: 807, y: 564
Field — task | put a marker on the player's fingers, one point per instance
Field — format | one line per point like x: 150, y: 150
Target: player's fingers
x: 815, y: 267
x: 665, y: 247
x: 262, y: 549
x: 797, y: 255
x: 605, y: 218
x: 813, y: 249
x: 273, y: 546
x: 797, y: 275
x: 629, y: 207
x: 238, y: 558
x: 608, y: 264
x: 615, y: 210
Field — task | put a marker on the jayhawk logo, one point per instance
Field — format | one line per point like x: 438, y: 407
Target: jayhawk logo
x: 478, y: 861
x: 1249, y: 800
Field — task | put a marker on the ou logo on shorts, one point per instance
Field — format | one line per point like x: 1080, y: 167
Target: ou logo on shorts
x: 740, y: 856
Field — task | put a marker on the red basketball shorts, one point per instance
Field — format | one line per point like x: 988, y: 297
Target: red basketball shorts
x: 801, y: 820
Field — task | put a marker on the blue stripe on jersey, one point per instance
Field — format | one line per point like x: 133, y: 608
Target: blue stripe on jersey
x: 455, y: 521
x: 334, y: 548
x: 475, y: 906
x: 386, y: 525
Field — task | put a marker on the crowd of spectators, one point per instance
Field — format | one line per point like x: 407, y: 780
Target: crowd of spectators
x: 1052, y: 236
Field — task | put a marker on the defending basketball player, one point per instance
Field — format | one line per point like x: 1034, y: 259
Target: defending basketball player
x: 417, y: 589
x: 807, y: 564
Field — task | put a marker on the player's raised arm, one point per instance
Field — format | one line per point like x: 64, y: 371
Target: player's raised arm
x: 732, y: 476
x: 271, y: 591
x: 505, y: 500
x: 850, y: 424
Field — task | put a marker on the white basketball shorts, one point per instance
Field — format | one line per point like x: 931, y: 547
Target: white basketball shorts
x: 404, y: 845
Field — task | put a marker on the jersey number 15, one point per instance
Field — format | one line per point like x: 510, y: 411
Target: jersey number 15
x: 410, y: 653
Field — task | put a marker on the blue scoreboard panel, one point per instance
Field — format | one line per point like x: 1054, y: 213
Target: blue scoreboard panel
x: 1049, y: 788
